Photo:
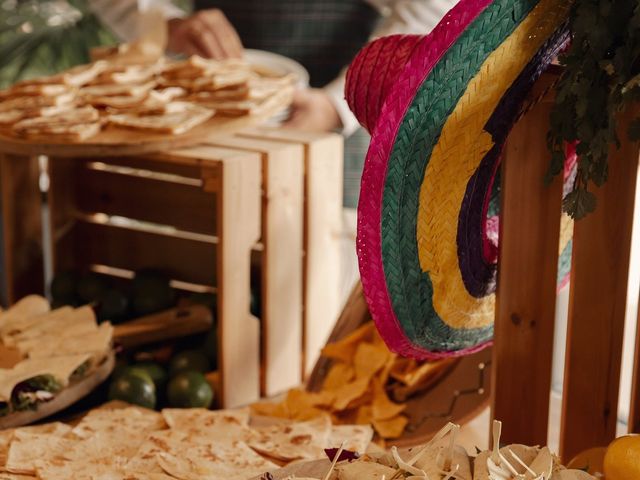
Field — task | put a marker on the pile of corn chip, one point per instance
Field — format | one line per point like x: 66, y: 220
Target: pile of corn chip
x: 366, y: 384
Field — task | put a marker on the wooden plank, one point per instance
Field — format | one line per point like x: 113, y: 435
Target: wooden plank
x: 282, y: 235
x: 634, y: 412
x: 322, y: 233
x: 239, y: 332
x: 88, y: 243
x: 525, y: 310
x: 597, y: 305
x: 145, y: 195
x: 21, y: 228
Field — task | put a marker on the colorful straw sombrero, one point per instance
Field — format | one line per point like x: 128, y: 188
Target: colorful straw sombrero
x: 439, y: 108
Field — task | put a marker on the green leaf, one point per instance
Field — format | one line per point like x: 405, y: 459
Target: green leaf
x: 579, y: 203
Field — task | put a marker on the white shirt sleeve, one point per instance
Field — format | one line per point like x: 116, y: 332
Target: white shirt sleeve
x: 122, y: 16
x: 399, y: 16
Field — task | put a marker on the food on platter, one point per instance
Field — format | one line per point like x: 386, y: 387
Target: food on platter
x: 55, y: 349
x: 159, y: 96
x: 366, y: 384
x: 122, y: 442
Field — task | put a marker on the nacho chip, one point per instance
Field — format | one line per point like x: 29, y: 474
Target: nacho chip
x: 339, y: 375
x: 345, y: 349
x: 346, y: 394
x: 267, y: 409
x: 382, y: 407
x: 369, y: 359
x: 364, y: 415
x: 392, y: 427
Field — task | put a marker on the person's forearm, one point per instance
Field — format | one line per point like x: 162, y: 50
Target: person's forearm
x: 122, y: 16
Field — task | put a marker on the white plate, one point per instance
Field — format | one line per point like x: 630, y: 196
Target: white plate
x: 279, y: 64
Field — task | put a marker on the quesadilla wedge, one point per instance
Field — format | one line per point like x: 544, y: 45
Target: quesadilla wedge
x: 31, y: 102
x: 27, y: 307
x: 175, y: 123
x: 18, y: 324
x: 35, y: 381
x: 96, y: 342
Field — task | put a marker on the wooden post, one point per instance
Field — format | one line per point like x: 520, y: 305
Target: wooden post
x: 282, y: 257
x: 600, y: 267
x: 634, y: 411
x: 22, y: 267
x: 322, y: 233
x: 525, y: 313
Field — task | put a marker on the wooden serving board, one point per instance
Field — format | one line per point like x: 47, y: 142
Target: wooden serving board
x: 65, y: 398
x: 114, y: 141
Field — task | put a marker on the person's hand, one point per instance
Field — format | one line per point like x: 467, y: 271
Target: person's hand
x: 207, y: 33
x: 313, y: 110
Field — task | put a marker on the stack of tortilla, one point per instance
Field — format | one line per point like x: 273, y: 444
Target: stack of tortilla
x: 157, y: 96
x: 126, y: 442
x: 54, y: 348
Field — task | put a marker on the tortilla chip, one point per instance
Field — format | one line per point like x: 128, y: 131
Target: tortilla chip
x: 369, y: 359
x: 364, y: 415
x: 382, y: 407
x: 267, y: 409
x: 350, y: 392
x: 392, y: 427
x: 345, y: 349
x: 339, y: 375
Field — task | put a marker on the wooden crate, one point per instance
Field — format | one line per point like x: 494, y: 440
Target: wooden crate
x: 210, y: 215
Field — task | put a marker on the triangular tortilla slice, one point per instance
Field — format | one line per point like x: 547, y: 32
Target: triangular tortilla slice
x: 355, y: 438
x: 27, y: 307
x: 175, y: 123
x: 16, y: 325
x: 293, y: 441
x: 231, y: 461
x: 28, y: 448
x: 95, y: 342
x: 117, y: 421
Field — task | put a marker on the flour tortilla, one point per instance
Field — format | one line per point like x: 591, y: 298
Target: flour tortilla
x: 65, y: 133
x: 12, y: 116
x: 175, y: 123
x: 74, y: 77
x: 119, y: 421
x: 219, y: 426
x: 73, y: 323
x: 61, y: 469
x: 293, y: 441
x: 237, y: 93
x: 355, y: 438
x: 19, y: 324
x: 39, y: 90
x: 251, y: 107
x: 27, y: 307
x: 31, y: 102
x: 15, y: 476
x: 126, y: 75
x: 360, y: 470
x: 526, y: 454
x: 28, y: 448
x: 231, y: 461
x: 76, y: 116
x: 97, y: 343
x: 117, y: 90
x: 432, y: 461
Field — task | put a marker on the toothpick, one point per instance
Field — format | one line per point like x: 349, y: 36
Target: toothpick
x: 519, y: 460
x: 335, y: 460
x: 440, y: 434
x: 497, y: 431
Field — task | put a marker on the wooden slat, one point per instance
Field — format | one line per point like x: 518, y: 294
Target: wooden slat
x: 634, y: 412
x: 322, y: 234
x: 597, y: 307
x: 90, y: 243
x: 163, y: 199
x: 282, y: 256
x: 22, y: 269
x: 239, y: 332
x: 525, y: 310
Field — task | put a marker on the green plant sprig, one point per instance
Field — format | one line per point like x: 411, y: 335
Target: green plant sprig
x: 601, y: 78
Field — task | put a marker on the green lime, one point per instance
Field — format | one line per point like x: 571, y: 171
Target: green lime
x: 151, y: 292
x: 113, y: 306
x: 134, y: 386
x: 210, y: 347
x: 189, y: 390
x: 64, y: 285
x: 155, y: 372
x: 195, y: 360
x: 91, y: 286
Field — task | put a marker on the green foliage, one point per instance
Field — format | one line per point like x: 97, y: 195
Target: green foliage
x: 46, y: 36
x: 601, y: 78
